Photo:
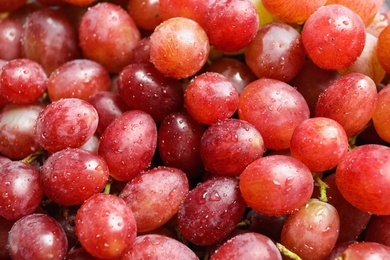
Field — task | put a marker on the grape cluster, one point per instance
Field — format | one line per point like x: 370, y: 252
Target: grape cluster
x: 194, y: 129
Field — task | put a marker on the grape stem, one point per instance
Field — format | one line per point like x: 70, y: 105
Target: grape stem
x: 323, y: 187
x: 107, y: 188
x: 32, y: 157
x: 286, y: 252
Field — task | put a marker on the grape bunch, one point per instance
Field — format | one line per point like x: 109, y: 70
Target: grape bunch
x: 194, y: 129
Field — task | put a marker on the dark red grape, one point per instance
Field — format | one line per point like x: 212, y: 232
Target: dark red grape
x: 105, y: 226
x: 276, y: 185
x: 366, y: 250
x: 211, y: 211
x: 141, y: 52
x: 10, y: 46
x: 37, y: 236
x: 66, y: 123
x: 128, y: 144
x: 21, y: 191
x: 378, y: 230
x: 141, y: 86
x: 11, y: 5
x: 229, y: 146
x: 5, y: 227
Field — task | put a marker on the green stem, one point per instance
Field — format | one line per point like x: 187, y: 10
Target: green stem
x: 32, y: 157
x: 323, y: 187
x: 286, y: 252
x: 107, y: 188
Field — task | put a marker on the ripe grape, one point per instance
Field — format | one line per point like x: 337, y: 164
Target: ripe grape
x: 79, y: 78
x: 155, y: 196
x: 229, y: 146
x: 362, y: 178
x: 179, y: 47
x: 141, y: 86
x: 241, y: 15
x: 342, y: 101
x: 382, y: 49
x: 179, y: 138
x: 378, y: 230
x: 66, y: 123
x: 141, y: 52
x: 333, y: 37
x: 5, y: 227
x: 366, y: 250
x: 128, y: 144
x: 11, y: 5
x: 10, y: 33
x: 108, y: 35
x: 22, y: 81
x: 79, y: 2
x: 275, y: 109
x: 105, y: 226
x: 72, y: 175
x: 381, y: 115
x: 312, y: 231
x: 320, y: 143
x: 210, y: 97
x: 146, y: 14
x: 37, y: 236
x: 276, y: 185
x: 38, y: 44
x: 21, y: 190
x: 247, y: 246
x: 211, y: 211
x: 276, y: 52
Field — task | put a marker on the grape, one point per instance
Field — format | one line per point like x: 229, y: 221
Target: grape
x: 155, y: 196
x: 21, y: 190
x: 234, y: 70
x: 22, y: 81
x: 247, y: 246
x: 108, y: 35
x: 365, y: 9
x: 143, y: 87
x: 352, y: 220
x: 292, y: 11
x: 10, y: 32
x: 66, y: 123
x: 338, y: 250
x: 105, y: 226
x: 71, y: 176
x: 38, y: 44
x: 37, y: 236
x: 128, y: 144
x: 380, y: 117
x: 78, y: 78
x: 241, y: 15
x: 312, y: 231
x: 362, y: 178
x: 333, y: 37
x: 210, y: 97
x: 141, y: 52
x: 211, y: 211
x: 276, y: 52
x: 179, y: 138
x: 320, y: 143
x: 145, y: 14
x: 342, y: 101
x: 264, y: 16
x: 275, y: 109
x: 5, y: 227
x: 229, y: 146
x: 276, y: 185
x: 11, y: 5
x: 382, y: 49
x: 179, y: 47
x: 17, y: 124
x: 79, y: 254
x: 378, y: 24
x: 366, y: 250
x: 79, y: 2
x: 311, y: 81
x: 378, y: 230
x: 269, y: 226
x: 109, y: 106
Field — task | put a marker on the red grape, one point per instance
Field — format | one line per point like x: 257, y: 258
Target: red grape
x: 275, y: 109
x: 179, y: 47
x: 155, y: 196
x: 37, y: 236
x: 362, y: 178
x: 79, y: 2
x: 105, y: 226
x: 378, y: 230
x: 141, y: 52
x: 333, y: 37
x: 66, y: 123
x: 276, y: 185
x: 210, y: 97
x: 211, y: 211
x: 78, y: 78
x: 381, y: 116
x: 366, y: 250
x: 241, y: 15
x: 11, y: 5
x: 141, y: 86
x: 312, y: 231
x: 276, y: 52
x: 229, y: 146
x: 22, y: 81
x: 382, y: 48
x: 145, y: 14
x: 21, y: 190
x: 108, y: 35
x: 10, y: 33
x: 5, y: 227
x: 128, y: 144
